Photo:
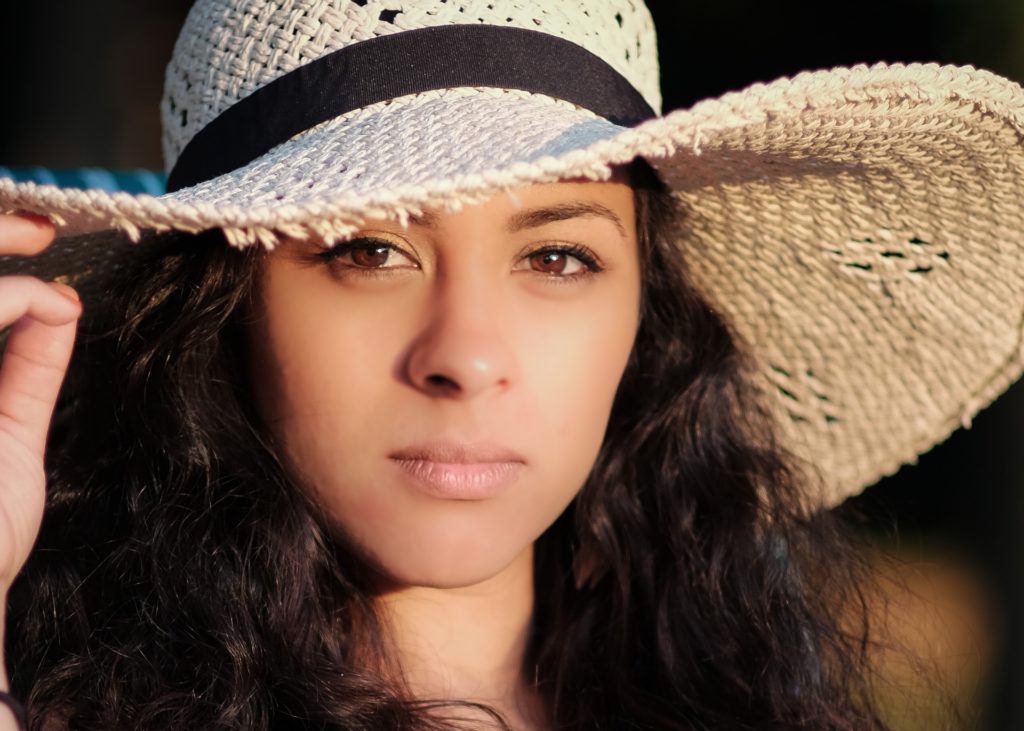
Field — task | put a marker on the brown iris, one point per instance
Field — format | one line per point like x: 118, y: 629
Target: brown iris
x: 371, y: 256
x: 549, y: 262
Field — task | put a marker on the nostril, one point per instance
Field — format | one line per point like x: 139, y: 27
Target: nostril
x: 444, y: 382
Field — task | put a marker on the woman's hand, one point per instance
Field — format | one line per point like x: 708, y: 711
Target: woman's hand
x: 43, y: 317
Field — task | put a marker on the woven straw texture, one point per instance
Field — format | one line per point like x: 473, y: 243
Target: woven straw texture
x: 860, y: 228
x: 230, y: 48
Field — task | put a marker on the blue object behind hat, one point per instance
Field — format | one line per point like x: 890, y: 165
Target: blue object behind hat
x: 129, y: 181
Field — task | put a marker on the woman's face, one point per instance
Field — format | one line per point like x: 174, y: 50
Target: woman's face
x: 444, y: 388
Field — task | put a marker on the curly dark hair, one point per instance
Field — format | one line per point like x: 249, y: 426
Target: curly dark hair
x: 182, y: 580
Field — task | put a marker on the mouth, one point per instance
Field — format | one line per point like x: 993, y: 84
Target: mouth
x: 452, y: 470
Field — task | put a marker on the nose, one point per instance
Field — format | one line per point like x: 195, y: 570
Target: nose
x: 463, y: 350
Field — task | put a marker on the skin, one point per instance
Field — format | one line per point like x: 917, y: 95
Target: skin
x: 464, y: 332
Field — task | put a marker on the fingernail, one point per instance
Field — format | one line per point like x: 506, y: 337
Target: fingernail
x: 37, y: 218
x: 67, y: 291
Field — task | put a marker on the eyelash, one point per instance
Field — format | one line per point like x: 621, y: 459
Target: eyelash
x: 333, y: 254
x: 581, y: 253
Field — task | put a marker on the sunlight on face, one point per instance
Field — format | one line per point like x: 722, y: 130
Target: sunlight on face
x: 444, y: 388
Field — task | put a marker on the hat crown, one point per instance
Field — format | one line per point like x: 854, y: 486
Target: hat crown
x: 227, y: 49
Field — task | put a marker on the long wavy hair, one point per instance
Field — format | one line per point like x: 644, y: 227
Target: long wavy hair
x: 182, y: 579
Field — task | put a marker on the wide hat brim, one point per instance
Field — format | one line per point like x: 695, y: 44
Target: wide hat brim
x: 861, y: 229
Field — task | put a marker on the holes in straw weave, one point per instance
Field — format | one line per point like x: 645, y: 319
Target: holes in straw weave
x: 388, y: 16
x: 803, y: 395
x: 889, y: 257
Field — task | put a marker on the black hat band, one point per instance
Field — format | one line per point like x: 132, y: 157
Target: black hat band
x: 395, y: 65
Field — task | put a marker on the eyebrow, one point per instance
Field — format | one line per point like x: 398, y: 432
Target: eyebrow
x: 534, y: 217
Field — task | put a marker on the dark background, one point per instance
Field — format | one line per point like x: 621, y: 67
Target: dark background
x: 80, y: 83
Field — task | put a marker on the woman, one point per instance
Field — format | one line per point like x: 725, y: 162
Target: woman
x: 473, y: 439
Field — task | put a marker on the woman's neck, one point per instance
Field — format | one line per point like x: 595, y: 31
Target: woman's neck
x: 468, y: 643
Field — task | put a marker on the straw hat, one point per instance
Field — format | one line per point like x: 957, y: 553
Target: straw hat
x: 861, y: 228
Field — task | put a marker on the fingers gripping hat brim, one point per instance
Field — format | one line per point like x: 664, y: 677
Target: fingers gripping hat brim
x: 859, y: 228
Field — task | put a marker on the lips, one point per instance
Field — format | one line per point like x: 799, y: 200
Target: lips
x: 453, y: 470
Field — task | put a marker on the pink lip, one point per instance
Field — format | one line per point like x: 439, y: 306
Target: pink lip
x: 459, y: 470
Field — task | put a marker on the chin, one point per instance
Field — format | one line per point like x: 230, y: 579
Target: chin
x: 450, y: 564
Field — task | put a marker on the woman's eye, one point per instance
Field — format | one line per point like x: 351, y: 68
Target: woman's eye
x: 563, y: 262
x: 366, y: 253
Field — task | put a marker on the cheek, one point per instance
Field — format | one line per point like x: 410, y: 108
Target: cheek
x: 320, y: 361
x: 573, y: 376
x: 578, y: 379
